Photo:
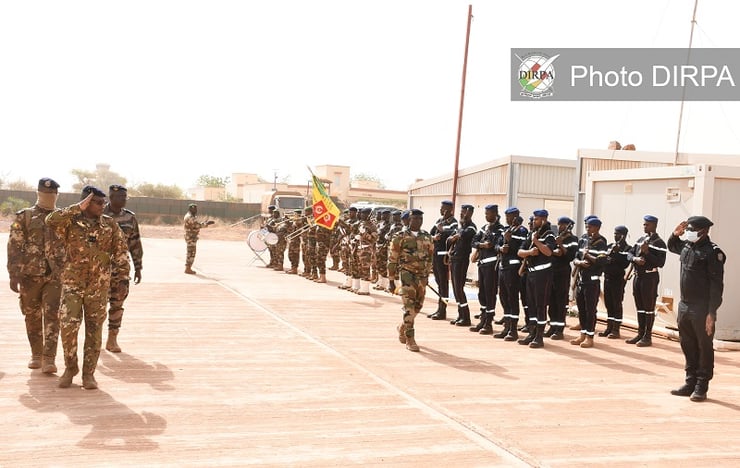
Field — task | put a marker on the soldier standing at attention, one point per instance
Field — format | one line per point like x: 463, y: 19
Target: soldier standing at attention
x: 294, y: 242
x: 614, y: 282
x: 126, y: 219
x: 366, y: 237
x: 702, y: 285
x: 509, y: 283
x: 445, y: 226
x: 192, y: 231
x: 96, y: 248
x: 35, y: 262
x: 564, y: 253
x: 410, y: 257
x: 460, y: 247
x: 486, y: 242
x: 648, y: 254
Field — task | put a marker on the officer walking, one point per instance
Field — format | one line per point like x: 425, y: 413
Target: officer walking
x: 702, y: 284
x: 96, y: 249
x: 126, y: 219
x: 35, y: 262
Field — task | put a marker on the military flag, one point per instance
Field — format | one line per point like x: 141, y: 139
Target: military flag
x: 325, y: 212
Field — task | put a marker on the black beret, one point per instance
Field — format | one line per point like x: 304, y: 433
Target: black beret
x: 492, y: 207
x: 512, y: 210
x: 621, y: 230
x: 541, y: 213
x: 88, y: 189
x: 396, y: 213
x: 271, y: 207
x: 594, y: 221
x: 467, y: 207
x: 565, y: 220
x: 416, y: 212
x: 700, y: 222
x: 352, y: 208
x: 405, y: 214
x: 447, y: 202
x: 47, y: 183
x: 367, y: 209
x: 116, y: 188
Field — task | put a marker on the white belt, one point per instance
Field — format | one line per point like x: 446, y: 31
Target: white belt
x: 595, y: 277
x: 487, y: 260
x: 514, y: 262
x: 544, y: 266
x: 442, y: 253
x: 650, y: 271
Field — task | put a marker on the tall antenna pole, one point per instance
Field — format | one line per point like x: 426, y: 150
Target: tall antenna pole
x: 462, y: 103
x: 683, y: 94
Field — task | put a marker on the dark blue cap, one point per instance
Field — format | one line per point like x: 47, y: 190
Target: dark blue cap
x: 650, y: 218
x: 585, y: 220
x: 492, y: 207
x: 385, y: 211
x: 396, y: 213
x: 271, y: 207
x: 700, y: 222
x: 47, y: 183
x: 416, y: 212
x: 594, y: 221
x: 467, y: 207
x: 88, y: 189
x: 621, y: 230
x: 405, y: 214
x: 512, y: 210
x: 447, y: 202
x: 352, y: 208
x: 540, y: 213
x: 367, y: 209
x: 116, y: 188
x: 565, y: 220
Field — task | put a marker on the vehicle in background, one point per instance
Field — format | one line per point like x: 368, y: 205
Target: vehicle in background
x: 374, y: 206
x: 287, y: 201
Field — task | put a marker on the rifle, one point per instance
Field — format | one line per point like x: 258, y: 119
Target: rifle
x: 525, y: 261
x: 443, y: 299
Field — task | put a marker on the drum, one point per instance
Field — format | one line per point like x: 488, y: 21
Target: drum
x: 256, y: 241
x: 271, y: 238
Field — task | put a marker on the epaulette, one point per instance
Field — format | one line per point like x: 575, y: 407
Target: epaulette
x: 129, y: 211
x: 20, y: 212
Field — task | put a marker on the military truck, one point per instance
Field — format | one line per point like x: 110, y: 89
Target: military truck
x: 287, y: 201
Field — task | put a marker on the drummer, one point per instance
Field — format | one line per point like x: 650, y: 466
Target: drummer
x: 271, y: 225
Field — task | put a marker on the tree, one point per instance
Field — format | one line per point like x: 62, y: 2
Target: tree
x: 212, y: 181
x: 156, y: 191
x: 20, y: 185
x: 102, y: 177
x: 369, y: 178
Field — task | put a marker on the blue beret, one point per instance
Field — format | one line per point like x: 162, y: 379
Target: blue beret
x: 396, y: 213
x: 116, y: 188
x: 621, y: 230
x: 512, y: 210
x: 367, y: 209
x: 385, y: 211
x: 405, y: 214
x: 47, y: 183
x: 700, y: 222
x: 541, y: 213
x: 352, y: 208
x: 492, y: 207
x: 88, y: 189
x: 416, y: 212
x: 594, y: 221
x: 467, y: 207
x: 447, y: 202
x: 650, y: 218
x: 585, y: 220
x: 565, y: 220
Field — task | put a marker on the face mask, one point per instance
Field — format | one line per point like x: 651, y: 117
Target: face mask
x: 692, y: 236
x: 47, y: 201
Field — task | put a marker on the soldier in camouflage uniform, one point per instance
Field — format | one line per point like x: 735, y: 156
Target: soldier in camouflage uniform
x: 410, y: 257
x: 95, y: 248
x: 35, y: 262
x: 381, y: 250
x: 126, y: 219
x: 323, y: 241
x: 294, y: 243
x: 365, y: 240
x: 192, y: 231
x: 308, y: 246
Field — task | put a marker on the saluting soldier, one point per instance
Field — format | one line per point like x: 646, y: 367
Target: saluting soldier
x: 508, y: 273
x: 647, y: 255
x: 192, y: 231
x: 126, y: 219
x: 564, y: 253
x: 589, y: 262
x: 410, y: 258
x: 486, y: 241
x: 536, y: 252
x: 614, y: 282
x: 443, y: 228
x: 35, y: 262
x: 97, y: 257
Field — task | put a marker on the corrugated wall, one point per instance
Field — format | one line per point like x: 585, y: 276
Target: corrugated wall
x: 593, y: 164
x: 547, y: 181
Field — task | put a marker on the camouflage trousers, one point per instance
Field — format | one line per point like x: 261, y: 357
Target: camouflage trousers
x: 364, y: 264
x: 381, y: 261
x: 190, y: 253
x: 413, y: 290
x: 80, y: 305
x: 309, y: 255
x: 39, y: 300
x: 294, y: 253
x: 322, y: 250
x: 117, y: 295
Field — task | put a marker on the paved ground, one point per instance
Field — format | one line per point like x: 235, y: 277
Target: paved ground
x: 242, y: 366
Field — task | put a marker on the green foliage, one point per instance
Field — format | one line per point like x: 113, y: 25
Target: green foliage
x: 102, y: 177
x: 20, y: 185
x: 11, y: 205
x: 156, y: 191
x: 212, y: 181
x: 370, y: 178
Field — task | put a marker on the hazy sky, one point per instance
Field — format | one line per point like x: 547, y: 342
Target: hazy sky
x: 166, y: 91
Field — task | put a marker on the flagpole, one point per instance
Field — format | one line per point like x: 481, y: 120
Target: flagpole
x: 462, y: 103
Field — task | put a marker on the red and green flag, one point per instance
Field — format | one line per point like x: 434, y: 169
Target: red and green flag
x: 325, y: 212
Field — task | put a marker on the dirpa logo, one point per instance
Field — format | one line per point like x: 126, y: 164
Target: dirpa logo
x: 536, y: 75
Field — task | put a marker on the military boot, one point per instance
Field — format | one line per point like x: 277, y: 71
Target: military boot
x: 89, y: 382
x: 321, y: 278
x: 588, y: 342
x: 487, y: 324
x: 614, y: 334
x: 686, y: 389
x: 334, y: 265
x: 37, y: 349
x: 49, y: 367
x: 577, y: 341
x: 505, y: 330
x: 640, y: 328
x: 531, y: 333
x: 66, y: 379
x: 189, y: 270
x: 401, y: 333
x: 647, y: 337
x: 441, y: 313
x: 609, y: 327
x: 700, y: 391
x: 112, y: 345
x: 410, y: 341
x: 35, y: 361
x: 513, y: 333
x: 292, y: 271
x: 537, y: 342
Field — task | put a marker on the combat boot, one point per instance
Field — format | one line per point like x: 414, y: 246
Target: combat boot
x: 557, y: 333
x: 537, y: 342
x: 292, y: 271
x: 35, y: 362
x: 640, y: 328
x: 609, y: 328
x: 66, y: 379
x: 321, y: 278
x: 112, y: 344
x: 401, y: 333
x: 588, y: 342
x: 614, y: 335
x: 700, y: 391
x: 505, y: 330
x: 37, y: 349
x: 513, y: 333
x: 364, y: 288
x: 577, y: 341
x: 647, y: 337
x: 335, y: 265
x: 49, y: 367
x: 531, y: 333
x: 441, y: 313
x: 410, y: 341
x: 487, y: 324
x: 686, y: 389
x: 89, y: 382
x: 189, y: 270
